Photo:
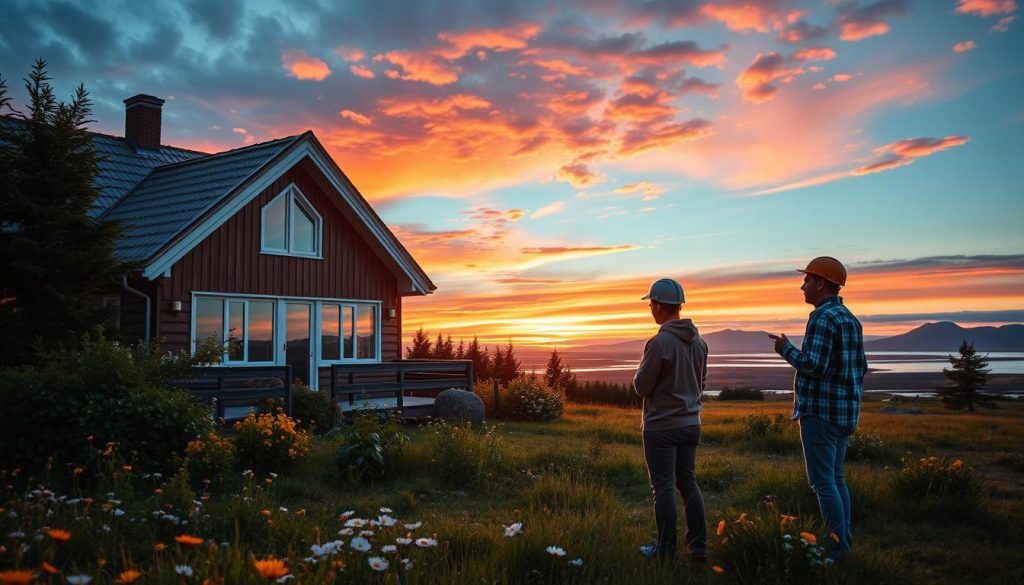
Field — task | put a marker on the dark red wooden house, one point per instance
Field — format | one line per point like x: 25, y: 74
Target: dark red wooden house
x: 269, y: 244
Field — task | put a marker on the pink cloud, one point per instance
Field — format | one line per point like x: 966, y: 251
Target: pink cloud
x: 759, y: 80
x: 360, y: 71
x: 421, y: 67
x: 302, y: 66
x: 964, y: 46
x: 815, y: 54
x: 578, y: 175
x: 904, y: 152
x: 858, y: 31
x: 350, y: 54
x: 576, y: 250
x: 641, y: 108
x: 739, y: 17
x: 841, y: 77
x: 1004, y: 24
x: 505, y: 39
x: 421, y: 108
x: 355, y: 117
x: 559, y: 68
x: 650, y: 137
x: 857, y: 22
x: 675, y: 52
x: 986, y: 7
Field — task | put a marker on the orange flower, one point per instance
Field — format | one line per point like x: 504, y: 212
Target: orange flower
x: 58, y: 534
x: 188, y: 540
x: 47, y: 567
x: 718, y: 569
x: 742, y: 517
x: 77, y: 471
x: 159, y: 547
x: 266, y: 512
x: 809, y: 537
x: 721, y: 528
x: 835, y: 537
x: 129, y: 576
x: 127, y: 467
x: 17, y: 577
x: 270, y: 568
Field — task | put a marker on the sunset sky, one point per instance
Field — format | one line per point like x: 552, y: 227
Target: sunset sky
x: 545, y: 161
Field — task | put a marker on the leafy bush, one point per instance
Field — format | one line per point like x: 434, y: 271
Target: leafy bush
x: 728, y: 393
x: 760, y: 424
x: 371, y: 442
x: 105, y: 390
x: 934, y: 484
x: 464, y: 457
x: 529, y: 399
x: 210, y: 458
x: 270, y: 442
x: 768, y: 548
x: 866, y: 447
x: 314, y: 411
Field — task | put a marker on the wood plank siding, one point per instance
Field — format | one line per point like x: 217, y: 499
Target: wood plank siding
x: 229, y: 261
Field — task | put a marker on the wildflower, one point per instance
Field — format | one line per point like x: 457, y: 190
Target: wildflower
x: 514, y: 529
x: 355, y: 523
x: 346, y: 515
x: 183, y: 570
x: 360, y: 544
x: 270, y: 567
x: 386, y: 521
x: 721, y: 528
x: 406, y: 564
x: 129, y: 576
x: 366, y: 533
x: 388, y: 548
x: 79, y: 579
x: 15, y: 535
x: 785, y: 519
x: 346, y: 532
x: 718, y: 569
x: 77, y: 471
x: 58, y: 534
x: 809, y: 537
x: 742, y: 517
x: 118, y: 512
x: 377, y: 563
x: 403, y: 540
x: 576, y: 562
x: 48, y: 568
x: 286, y: 578
x: 385, y: 510
x: 188, y: 540
x: 17, y: 576
x: 556, y: 551
x: 425, y: 542
x: 835, y: 537
x: 415, y: 526
x: 266, y: 512
x: 159, y: 547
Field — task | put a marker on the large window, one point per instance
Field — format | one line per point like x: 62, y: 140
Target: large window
x: 348, y: 332
x: 246, y: 325
x: 290, y: 226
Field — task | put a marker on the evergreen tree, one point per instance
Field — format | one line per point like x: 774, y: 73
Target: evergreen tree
x: 508, y: 367
x: 443, y: 348
x: 498, y: 365
x: 57, y: 258
x: 460, y: 352
x: 479, y: 359
x: 486, y: 363
x: 421, y: 347
x: 968, y: 375
x: 558, y: 375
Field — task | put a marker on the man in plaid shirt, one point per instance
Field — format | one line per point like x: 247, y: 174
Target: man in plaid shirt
x: 830, y: 369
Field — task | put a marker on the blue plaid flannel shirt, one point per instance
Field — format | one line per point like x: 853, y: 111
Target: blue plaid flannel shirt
x: 830, y: 366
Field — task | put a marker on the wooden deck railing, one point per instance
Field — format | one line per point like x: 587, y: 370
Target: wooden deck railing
x: 239, y: 386
x: 350, y: 382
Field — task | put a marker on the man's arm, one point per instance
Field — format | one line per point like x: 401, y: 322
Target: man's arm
x: 648, y: 370
x: 817, y: 348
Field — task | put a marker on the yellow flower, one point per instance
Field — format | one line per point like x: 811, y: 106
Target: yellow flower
x: 270, y: 568
x: 58, y: 534
x: 17, y: 577
x: 188, y: 540
x: 129, y: 576
x: 809, y: 537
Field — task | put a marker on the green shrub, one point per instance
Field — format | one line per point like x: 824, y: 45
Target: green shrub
x: 768, y: 548
x: 270, y: 442
x: 760, y: 424
x: 934, y: 484
x: 529, y: 399
x: 210, y: 459
x: 370, y: 443
x: 866, y: 447
x: 100, y: 389
x: 728, y: 393
x: 464, y: 457
x: 314, y: 411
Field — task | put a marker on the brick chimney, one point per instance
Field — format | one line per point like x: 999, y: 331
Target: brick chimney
x: 142, y: 120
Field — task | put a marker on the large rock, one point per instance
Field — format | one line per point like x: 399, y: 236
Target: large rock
x: 459, y: 407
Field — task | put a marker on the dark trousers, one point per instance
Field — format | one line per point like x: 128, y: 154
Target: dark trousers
x: 671, y: 461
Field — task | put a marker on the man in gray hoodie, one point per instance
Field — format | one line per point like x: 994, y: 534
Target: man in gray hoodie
x: 671, y: 379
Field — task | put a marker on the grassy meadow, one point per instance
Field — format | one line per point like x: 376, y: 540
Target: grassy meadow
x: 459, y: 506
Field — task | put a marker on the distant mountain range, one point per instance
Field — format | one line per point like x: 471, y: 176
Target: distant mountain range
x: 941, y: 336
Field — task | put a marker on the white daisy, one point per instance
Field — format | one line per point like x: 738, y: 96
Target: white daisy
x: 377, y: 563
x: 415, y: 526
x: 556, y: 551
x: 514, y: 529
x: 385, y: 510
x: 403, y: 540
x: 576, y: 562
x: 424, y: 542
x: 184, y: 570
x: 360, y: 544
x: 388, y: 548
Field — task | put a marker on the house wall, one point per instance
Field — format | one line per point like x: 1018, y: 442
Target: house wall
x: 229, y: 261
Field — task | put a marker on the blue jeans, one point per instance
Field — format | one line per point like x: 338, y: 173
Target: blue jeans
x: 671, y: 463
x: 824, y: 446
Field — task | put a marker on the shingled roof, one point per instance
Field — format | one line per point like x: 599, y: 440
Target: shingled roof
x: 122, y: 167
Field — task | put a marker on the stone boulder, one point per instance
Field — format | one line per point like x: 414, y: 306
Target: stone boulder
x: 459, y: 407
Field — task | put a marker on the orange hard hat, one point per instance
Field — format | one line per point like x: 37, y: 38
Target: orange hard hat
x: 828, y: 268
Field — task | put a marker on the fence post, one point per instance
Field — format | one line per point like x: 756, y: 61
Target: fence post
x: 288, y: 390
x: 497, y: 398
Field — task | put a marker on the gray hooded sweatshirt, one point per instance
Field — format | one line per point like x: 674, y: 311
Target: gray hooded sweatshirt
x: 672, y: 375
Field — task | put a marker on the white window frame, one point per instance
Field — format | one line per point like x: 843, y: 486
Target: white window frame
x: 293, y: 197
x: 280, y: 308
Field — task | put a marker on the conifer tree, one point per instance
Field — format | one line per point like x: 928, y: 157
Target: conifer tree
x: 57, y: 257
x: 479, y: 359
x: 460, y: 351
x: 498, y: 365
x: 443, y: 348
x: 967, y: 376
x: 420, y: 348
x: 558, y: 375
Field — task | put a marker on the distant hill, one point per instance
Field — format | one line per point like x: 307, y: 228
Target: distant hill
x: 946, y: 336
x: 736, y: 341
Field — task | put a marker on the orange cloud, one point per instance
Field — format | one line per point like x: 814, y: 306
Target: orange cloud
x: 355, y: 117
x: 650, y: 191
x: 421, y: 67
x: 505, y: 39
x: 857, y: 23
x: 360, y: 71
x: 552, y: 209
x: 420, y: 108
x: 986, y: 7
x: 739, y: 17
x: 758, y: 81
x: 904, y: 152
x: 650, y: 137
x: 964, y: 46
x: 858, y: 31
x: 641, y: 108
x: 841, y: 77
x: 302, y: 66
x: 350, y: 54
x: 559, y: 68
x: 578, y: 175
x: 815, y: 54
